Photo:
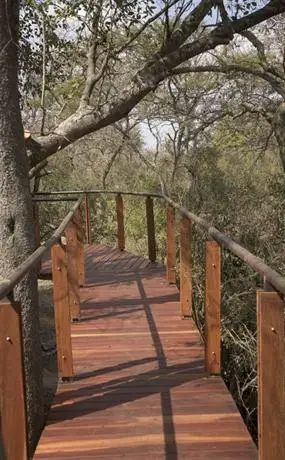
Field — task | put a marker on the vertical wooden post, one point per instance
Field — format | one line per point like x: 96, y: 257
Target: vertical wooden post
x: 171, y: 277
x: 81, y: 264
x: 36, y: 215
x: 37, y: 230
x: 87, y: 219
x: 267, y: 286
x: 62, y: 311
x: 78, y: 222
x: 73, y: 254
x: 13, y: 418
x: 150, y: 229
x: 185, y: 267
x: 213, y: 308
x: 270, y: 372
x: 120, y: 221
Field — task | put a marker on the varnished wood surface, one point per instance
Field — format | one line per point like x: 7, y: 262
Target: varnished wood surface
x: 270, y: 346
x: 140, y: 388
x: 213, y: 308
x: 13, y: 423
x: 185, y: 267
x: 62, y: 310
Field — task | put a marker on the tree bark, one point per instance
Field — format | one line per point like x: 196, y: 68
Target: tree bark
x: 17, y: 233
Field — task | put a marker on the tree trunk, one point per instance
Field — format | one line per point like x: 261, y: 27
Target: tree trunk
x: 17, y: 233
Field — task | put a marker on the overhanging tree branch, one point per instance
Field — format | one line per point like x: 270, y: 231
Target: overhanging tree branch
x: 160, y: 66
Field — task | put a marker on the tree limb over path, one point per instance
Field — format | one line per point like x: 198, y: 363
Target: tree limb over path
x: 174, y: 52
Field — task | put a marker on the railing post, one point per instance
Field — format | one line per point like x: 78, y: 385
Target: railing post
x: 62, y: 311
x: 36, y: 217
x: 81, y: 264
x: 270, y: 374
x: 73, y: 254
x: 171, y: 277
x: 87, y: 219
x: 213, y: 308
x: 150, y: 229
x: 185, y: 267
x: 120, y: 221
x: 78, y: 222
x: 37, y: 224
x: 13, y: 416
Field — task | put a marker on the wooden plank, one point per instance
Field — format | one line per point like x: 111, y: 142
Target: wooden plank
x: 185, y: 268
x: 171, y: 249
x: 150, y: 229
x: 13, y: 420
x: 62, y: 311
x: 120, y: 222
x: 87, y: 219
x: 73, y: 263
x: 270, y: 371
x: 213, y: 308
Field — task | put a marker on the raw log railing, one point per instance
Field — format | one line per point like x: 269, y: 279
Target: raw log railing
x: 67, y: 278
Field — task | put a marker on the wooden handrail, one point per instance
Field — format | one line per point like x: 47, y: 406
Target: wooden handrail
x: 97, y: 191
x: 40, y: 199
x: 7, y: 285
x: 257, y: 264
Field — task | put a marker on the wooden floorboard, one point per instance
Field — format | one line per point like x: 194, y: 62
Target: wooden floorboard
x: 140, y: 387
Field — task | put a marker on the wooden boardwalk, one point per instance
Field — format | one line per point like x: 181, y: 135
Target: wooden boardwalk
x: 140, y: 388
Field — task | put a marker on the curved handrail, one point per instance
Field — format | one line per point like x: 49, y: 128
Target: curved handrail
x: 256, y: 263
x: 97, y: 191
x: 273, y: 277
x: 7, y: 285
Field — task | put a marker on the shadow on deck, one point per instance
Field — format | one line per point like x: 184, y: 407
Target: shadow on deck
x: 140, y: 388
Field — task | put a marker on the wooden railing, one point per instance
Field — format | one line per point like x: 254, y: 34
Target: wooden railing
x: 67, y: 278
x: 68, y: 272
x: 270, y: 325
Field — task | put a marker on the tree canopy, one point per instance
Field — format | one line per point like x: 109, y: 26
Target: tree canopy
x: 84, y: 44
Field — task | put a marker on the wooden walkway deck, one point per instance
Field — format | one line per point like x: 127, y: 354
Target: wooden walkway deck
x: 140, y: 389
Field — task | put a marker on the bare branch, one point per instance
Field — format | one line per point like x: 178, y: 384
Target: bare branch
x: 261, y: 54
x: 36, y: 169
x: 189, y: 25
x: 278, y: 85
x: 256, y: 43
x: 145, y: 25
